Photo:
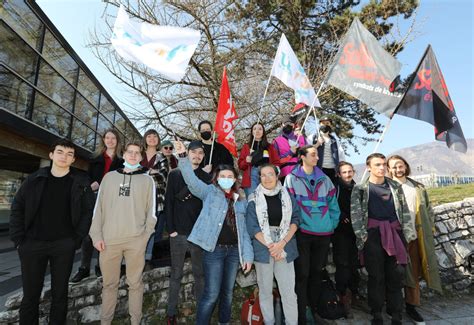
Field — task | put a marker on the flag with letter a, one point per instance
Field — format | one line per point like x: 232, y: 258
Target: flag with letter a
x: 427, y: 99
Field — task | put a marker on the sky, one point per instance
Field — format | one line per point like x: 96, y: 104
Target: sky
x: 445, y: 24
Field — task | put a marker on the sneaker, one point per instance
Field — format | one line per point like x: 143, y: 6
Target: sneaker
x: 98, y: 272
x: 80, y: 275
x: 414, y: 315
x: 172, y: 320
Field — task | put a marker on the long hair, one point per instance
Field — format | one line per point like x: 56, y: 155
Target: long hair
x: 397, y: 157
x: 147, y: 133
x: 102, y: 147
x: 215, y: 176
x: 264, y: 141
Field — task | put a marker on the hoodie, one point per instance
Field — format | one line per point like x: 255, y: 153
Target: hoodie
x: 316, y: 196
x: 125, y: 207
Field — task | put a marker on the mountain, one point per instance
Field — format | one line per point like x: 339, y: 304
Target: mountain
x: 433, y: 157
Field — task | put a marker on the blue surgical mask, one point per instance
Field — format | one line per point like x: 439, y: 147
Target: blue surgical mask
x: 225, y: 183
x: 131, y: 167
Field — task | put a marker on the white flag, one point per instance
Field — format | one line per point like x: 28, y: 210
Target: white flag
x: 165, y: 49
x: 288, y: 69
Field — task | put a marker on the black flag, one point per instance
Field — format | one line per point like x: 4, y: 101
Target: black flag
x: 427, y: 99
x: 363, y: 69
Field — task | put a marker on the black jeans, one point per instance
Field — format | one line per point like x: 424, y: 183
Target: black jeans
x: 179, y: 245
x: 34, y: 257
x: 313, y: 253
x: 345, y: 256
x: 386, y: 278
x: 87, y: 251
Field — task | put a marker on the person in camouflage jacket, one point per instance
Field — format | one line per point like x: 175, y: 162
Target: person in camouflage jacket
x: 382, y: 226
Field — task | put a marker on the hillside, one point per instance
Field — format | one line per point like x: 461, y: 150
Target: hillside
x: 434, y: 157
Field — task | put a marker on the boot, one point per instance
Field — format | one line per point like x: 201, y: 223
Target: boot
x: 346, y: 300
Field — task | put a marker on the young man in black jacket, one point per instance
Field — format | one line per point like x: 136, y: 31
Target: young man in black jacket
x: 181, y: 210
x: 50, y: 215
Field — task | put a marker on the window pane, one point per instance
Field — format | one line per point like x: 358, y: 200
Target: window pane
x: 85, y: 112
x: 15, y: 95
x: 50, y: 116
x: 88, y: 89
x: 53, y: 85
x: 120, y: 122
x: 59, y: 58
x: 107, y: 108
x: 82, y: 135
x: 21, y: 18
x: 16, y: 54
x: 103, y: 124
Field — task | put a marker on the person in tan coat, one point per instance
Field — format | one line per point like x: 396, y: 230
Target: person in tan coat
x: 123, y: 220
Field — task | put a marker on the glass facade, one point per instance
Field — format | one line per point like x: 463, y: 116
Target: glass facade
x: 43, y: 80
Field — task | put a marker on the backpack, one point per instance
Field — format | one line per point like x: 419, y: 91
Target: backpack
x: 251, y: 313
x: 329, y: 306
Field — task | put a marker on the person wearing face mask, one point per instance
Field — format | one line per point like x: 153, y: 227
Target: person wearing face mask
x: 286, y: 145
x: 124, y: 218
x: 220, y: 154
x: 330, y: 151
x: 250, y: 159
x: 220, y: 230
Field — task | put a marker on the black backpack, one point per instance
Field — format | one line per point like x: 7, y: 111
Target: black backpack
x: 329, y: 306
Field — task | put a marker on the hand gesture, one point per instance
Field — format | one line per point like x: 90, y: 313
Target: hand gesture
x: 95, y: 186
x: 207, y: 168
x: 179, y: 147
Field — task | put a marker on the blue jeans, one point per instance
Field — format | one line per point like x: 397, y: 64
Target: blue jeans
x: 220, y: 270
x: 254, y: 181
x: 156, y: 236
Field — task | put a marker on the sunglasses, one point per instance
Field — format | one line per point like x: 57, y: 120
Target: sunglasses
x: 168, y: 148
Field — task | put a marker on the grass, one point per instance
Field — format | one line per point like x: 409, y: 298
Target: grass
x: 451, y: 193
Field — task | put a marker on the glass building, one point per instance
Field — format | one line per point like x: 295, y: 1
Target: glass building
x: 46, y: 92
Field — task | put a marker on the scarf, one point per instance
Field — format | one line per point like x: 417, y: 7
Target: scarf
x: 262, y: 210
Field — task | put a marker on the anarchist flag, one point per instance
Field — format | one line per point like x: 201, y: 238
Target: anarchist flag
x: 427, y: 99
x: 364, y: 70
x: 226, y: 114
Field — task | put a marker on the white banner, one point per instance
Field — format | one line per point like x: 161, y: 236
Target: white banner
x: 288, y: 69
x: 165, y: 49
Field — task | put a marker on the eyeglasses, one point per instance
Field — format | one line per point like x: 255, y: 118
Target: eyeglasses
x: 168, y: 148
x: 133, y: 153
x: 267, y: 175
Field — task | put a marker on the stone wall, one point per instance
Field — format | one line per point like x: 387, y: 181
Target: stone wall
x: 454, y: 238
x: 85, y: 300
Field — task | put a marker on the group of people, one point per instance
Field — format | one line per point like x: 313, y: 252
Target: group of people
x: 295, y: 197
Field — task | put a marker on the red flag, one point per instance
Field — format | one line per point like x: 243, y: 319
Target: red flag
x: 427, y: 99
x: 226, y: 114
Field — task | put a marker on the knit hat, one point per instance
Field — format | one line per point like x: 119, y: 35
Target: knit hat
x: 167, y: 143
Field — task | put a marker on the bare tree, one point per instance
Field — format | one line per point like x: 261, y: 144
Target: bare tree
x: 243, y: 37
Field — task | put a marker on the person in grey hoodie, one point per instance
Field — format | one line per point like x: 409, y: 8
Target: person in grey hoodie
x: 124, y: 218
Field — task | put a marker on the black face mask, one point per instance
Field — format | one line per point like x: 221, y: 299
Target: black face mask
x: 287, y: 129
x: 206, y: 135
x: 325, y: 129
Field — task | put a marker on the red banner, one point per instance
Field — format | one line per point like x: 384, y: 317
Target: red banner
x: 226, y: 114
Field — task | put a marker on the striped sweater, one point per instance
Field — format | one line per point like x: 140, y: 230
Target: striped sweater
x: 316, y: 196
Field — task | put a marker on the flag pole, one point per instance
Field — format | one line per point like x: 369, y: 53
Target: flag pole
x: 310, y: 110
x: 212, y: 146
x: 263, y: 101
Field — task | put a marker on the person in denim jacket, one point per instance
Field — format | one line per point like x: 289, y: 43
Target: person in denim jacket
x: 272, y: 220
x: 221, y: 232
